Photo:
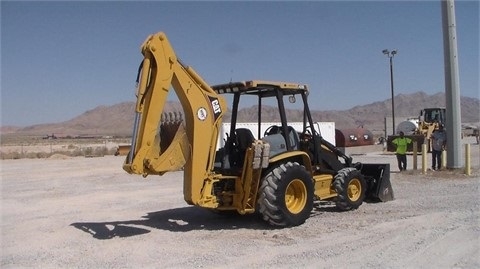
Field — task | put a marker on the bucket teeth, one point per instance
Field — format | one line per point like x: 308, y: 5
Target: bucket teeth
x: 169, y: 126
x: 171, y: 118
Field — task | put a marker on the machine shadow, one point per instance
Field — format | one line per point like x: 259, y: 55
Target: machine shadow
x: 175, y: 220
x: 183, y: 219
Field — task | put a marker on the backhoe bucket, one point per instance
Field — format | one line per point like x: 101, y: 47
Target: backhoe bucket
x: 378, y: 179
x: 169, y: 151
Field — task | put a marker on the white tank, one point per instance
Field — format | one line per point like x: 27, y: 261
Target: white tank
x: 408, y: 127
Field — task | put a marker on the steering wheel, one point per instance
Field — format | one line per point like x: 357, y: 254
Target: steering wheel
x: 274, y: 129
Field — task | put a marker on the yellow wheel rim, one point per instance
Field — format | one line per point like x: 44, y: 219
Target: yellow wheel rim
x: 296, y: 196
x: 354, y: 190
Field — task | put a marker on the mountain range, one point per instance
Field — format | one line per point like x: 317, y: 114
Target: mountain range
x: 117, y: 120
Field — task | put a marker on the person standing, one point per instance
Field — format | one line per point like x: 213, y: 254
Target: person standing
x: 439, y: 142
x: 401, y: 144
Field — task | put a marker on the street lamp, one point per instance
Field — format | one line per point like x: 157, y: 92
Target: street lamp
x: 390, y: 55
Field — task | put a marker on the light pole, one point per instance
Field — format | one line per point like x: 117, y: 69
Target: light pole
x: 390, y: 55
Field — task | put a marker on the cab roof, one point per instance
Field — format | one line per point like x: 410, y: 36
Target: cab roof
x: 260, y: 87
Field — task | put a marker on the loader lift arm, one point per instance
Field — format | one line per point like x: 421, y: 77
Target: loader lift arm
x: 193, y: 146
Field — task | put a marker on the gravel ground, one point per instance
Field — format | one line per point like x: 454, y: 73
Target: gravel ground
x: 88, y: 213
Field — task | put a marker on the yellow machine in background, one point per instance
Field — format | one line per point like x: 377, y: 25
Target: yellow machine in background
x: 430, y: 119
x: 421, y: 129
x: 279, y: 175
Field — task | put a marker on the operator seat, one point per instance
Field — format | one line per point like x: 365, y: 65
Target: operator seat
x: 294, y: 138
x: 243, y: 140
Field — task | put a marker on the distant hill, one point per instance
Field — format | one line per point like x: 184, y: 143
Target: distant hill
x: 117, y: 120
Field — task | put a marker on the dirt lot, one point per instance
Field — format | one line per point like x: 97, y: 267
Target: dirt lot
x: 66, y: 212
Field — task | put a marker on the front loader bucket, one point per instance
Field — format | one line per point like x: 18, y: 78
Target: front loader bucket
x: 378, y: 180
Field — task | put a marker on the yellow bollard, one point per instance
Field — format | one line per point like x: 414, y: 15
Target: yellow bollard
x: 444, y: 159
x: 424, y: 158
x: 468, y: 170
x: 415, y: 155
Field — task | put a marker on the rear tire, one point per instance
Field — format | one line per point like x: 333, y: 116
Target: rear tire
x: 350, y: 187
x: 286, y: 195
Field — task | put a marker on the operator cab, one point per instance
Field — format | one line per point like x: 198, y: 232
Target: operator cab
x: 433, y: 115
x: 271, y: 99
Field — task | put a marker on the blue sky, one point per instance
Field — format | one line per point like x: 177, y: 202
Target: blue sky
x: 60, y: 59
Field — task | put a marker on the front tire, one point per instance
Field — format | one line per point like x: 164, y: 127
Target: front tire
x: 286, y: 195
x: 350, y: 187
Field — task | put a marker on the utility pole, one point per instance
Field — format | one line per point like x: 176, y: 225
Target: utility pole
x: 390, y: 55
x: 452, y: 85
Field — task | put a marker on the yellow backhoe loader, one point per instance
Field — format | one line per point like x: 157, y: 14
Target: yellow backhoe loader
x: 420, y: 129
x: 279, y: 175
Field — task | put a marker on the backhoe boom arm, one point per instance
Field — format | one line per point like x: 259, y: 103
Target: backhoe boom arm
x: 193, y: 144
